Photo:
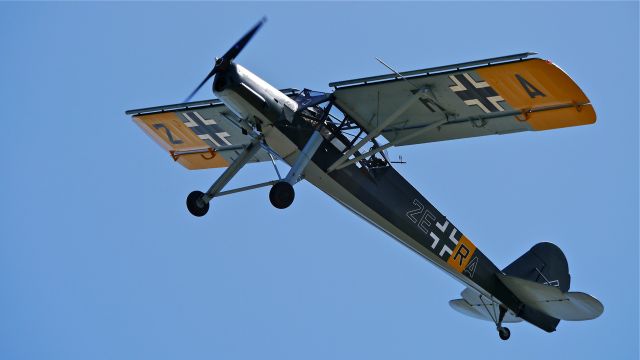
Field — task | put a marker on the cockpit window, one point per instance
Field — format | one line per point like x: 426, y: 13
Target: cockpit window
x: 306, y: 97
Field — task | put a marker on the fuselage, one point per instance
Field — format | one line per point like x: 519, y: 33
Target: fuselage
x: 379, y: 195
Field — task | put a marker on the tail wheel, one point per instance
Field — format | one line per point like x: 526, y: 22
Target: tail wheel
x: 281, y: 195
x: 504, y: 333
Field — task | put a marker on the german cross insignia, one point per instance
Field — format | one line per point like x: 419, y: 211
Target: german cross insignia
x: 477, y: 93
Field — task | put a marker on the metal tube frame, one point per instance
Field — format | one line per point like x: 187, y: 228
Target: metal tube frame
x: 304, y: 157
x: 245, y: 188
x: 375, y: 132
x: 232, y: 170
x: 390, y: 144
x: 310, y: 148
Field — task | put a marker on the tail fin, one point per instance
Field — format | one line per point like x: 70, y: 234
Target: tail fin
x: 540, y: 279
x: 545, y: 264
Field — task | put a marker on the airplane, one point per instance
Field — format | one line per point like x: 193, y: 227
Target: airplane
x: 337, y: 141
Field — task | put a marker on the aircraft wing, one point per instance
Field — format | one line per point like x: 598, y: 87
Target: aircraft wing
x: 198, y: 135
x: 493, y: 96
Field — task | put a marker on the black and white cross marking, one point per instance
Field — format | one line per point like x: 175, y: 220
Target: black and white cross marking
x: 439, y: 238
x: 477, y: 93
x: 206, y: 129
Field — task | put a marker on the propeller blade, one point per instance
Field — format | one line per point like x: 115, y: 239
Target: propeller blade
x: 209, y: 76
x: 237, y: 47
x: 222, y: 63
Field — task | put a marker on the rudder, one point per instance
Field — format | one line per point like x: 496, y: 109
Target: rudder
x: 545, y: 264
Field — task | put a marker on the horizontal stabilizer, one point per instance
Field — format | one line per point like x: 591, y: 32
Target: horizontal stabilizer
x: 550, y: 300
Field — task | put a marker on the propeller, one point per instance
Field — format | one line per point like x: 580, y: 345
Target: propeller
x: 222, y: 63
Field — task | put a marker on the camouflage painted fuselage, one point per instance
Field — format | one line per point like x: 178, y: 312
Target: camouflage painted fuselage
x: 379, y: 195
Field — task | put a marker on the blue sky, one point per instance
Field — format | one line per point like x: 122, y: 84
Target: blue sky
x: 99, y: 258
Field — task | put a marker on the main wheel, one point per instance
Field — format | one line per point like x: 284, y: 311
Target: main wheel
x: 504, y: 333
x: 281, y: 195
x: 196, y: 206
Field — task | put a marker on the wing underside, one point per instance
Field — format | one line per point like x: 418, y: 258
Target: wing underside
x: 507, y: 97
x: 201, y: 138
x: 201, y: 134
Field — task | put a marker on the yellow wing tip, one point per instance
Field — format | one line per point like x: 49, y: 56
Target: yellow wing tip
x: 168, y: 131
x: 561, y: 118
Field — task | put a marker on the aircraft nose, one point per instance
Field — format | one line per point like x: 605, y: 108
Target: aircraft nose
x: 220, y: 82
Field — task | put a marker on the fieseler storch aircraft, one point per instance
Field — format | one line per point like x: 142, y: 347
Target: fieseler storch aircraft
x: 337, y: 142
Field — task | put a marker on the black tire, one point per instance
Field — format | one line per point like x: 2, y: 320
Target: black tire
x: 504, y: 333
x: 281, y: 195
x: 197, y: 208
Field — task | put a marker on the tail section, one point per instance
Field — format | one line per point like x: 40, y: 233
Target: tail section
x: 540, y: 280
x: 551, y: 301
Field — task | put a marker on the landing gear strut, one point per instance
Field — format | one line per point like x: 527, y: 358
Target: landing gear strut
x: 282, y: 193
x: 503, y: 332
x: 198, y: 202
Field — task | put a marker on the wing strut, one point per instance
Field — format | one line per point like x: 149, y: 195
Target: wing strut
x: 375, y: 132
x: 390, y: 144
